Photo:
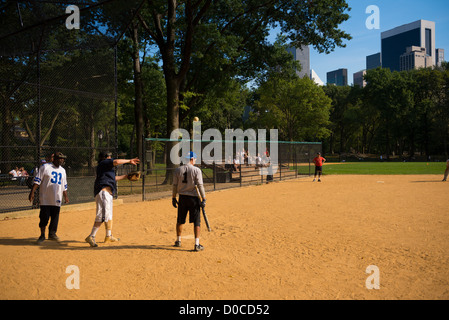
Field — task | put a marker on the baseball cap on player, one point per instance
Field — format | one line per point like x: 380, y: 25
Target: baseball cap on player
x: 104, y: 155
x: 190, y: 155
x: 59, y: 155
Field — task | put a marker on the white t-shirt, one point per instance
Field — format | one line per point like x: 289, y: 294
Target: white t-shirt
x: 13, y: 173
x: 53, y: 182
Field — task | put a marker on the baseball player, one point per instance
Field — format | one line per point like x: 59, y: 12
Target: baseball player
x: 52, y: 183
x: 446, y: 172
x: 48, y: 160
x: 318, y: 161
x: 105, y: 187
x: 185, y: 178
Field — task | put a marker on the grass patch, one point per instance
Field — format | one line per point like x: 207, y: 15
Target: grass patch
x: 387, y: 168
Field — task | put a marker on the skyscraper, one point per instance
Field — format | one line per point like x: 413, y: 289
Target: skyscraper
x: 395, y: 42
x: 314, y: 76
x: 338, y: 77
x: 414, y: 58
x: 373, y: 61
x: 439, y: 57
x: 303, y: 56
x: 358, y: 79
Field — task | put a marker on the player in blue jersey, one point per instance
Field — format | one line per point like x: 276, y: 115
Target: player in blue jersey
x: 105, y: 187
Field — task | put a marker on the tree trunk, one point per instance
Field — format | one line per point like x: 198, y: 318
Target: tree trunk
x: 138, y: 102
x: 172, y: 123
x: 91, y: 160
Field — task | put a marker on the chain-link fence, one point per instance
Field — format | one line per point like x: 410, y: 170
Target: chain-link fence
x: 58, y: 84
x: 59, y: 93
x: 238, y: 168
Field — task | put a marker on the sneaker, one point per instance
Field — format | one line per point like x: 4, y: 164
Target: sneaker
x: 110, y: 239
x: 41, y: 239
x: 319, y: 180
x: 313, y: 180
x: 91, y: 240
x: 177, y: 244
x: 198, y: 248
x: 53, y: 237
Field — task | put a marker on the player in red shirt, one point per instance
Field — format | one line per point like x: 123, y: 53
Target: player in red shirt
x: 446, y: 173
x: 318, y: 161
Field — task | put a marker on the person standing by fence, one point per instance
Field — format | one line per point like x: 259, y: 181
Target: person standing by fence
x: 446, y: 173
x: 318, y: 161
x: 52, y: 183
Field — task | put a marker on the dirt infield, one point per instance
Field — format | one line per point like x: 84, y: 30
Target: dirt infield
x: 289, y: 240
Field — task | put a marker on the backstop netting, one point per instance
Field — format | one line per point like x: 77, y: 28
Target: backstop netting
x: 58, y: 80
x: 243, y: 164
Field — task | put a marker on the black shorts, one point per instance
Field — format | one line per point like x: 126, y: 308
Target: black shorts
x: 318, y: 169
x: 192, y: 206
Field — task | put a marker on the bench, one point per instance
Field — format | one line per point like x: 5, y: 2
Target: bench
x: 6, y: 180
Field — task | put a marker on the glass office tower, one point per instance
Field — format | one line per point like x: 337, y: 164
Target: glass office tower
x: 373, y: 61
x: 395, y: 42
x: 338, y: 77
x: 303, y: 56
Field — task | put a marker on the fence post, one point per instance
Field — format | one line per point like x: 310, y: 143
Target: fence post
x: 296, y: 165
x: 143, y: 167
x: 261, y: 175
x: 240, y: 172
x: 280, y: 170
x: 308, y: 153
x: 115, y: 101
x: 39, y: 111
x: 214, y: 168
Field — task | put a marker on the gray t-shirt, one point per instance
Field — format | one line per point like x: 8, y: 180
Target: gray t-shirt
x: 185, y: 179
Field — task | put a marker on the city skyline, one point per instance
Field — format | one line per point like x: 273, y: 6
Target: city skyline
x: 367, y: 42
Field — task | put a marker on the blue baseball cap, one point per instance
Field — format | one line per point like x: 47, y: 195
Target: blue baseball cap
x: 190, y: 155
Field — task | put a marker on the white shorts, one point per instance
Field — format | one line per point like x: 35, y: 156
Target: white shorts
x: 104, y: 202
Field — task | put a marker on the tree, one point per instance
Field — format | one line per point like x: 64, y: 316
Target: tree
x: 298, y: 108
x: 174, y: 29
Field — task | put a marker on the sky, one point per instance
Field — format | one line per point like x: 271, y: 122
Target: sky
x: 364, y: 42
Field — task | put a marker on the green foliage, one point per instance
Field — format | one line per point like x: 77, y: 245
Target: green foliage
x: 223, y: 106
x: 385, y: 168
x: 397, y: 113
x: 297, y: 107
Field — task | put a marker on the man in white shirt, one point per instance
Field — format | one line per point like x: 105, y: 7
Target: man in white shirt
x: 14, y: 173
x: 52, y: 180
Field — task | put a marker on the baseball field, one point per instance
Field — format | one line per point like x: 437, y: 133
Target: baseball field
x: 294, y: 239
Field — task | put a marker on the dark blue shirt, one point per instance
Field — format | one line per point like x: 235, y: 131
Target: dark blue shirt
x: 105, y: 176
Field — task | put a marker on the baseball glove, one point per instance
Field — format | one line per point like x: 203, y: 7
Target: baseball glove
x: 134, y: 176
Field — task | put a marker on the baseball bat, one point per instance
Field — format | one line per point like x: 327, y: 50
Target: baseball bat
x: 202, y: 208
